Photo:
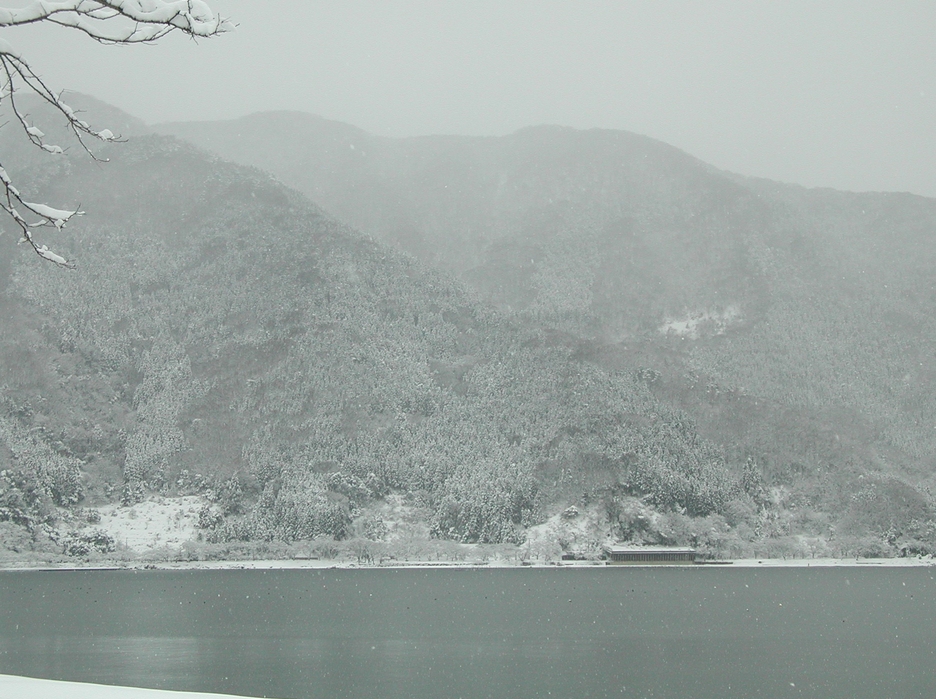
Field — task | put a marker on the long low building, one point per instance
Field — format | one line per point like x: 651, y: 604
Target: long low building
x: 650, y: 555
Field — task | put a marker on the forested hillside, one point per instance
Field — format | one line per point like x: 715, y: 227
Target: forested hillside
x: 794, y: 326
x: 223, y: 336
x: 664, y: 347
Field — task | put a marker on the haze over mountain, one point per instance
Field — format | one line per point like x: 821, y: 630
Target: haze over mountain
x: 816, y: 303
x: 595, y: 319
x: 816, y: 298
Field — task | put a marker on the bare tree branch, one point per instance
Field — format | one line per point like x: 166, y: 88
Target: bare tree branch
x: 106, y: 21
x: 147, y: 20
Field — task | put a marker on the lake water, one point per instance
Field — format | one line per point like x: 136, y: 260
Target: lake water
x: 684, y: 633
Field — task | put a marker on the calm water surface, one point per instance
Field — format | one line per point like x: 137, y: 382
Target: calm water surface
x: 623, y: 632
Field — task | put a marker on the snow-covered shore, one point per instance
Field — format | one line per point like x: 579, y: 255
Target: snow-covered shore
x: 833, y: 562
x: 315, y: 564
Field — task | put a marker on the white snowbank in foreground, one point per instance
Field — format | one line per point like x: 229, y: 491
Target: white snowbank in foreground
x: 30, y: 688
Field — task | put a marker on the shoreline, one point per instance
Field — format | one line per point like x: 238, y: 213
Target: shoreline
x: 324, y: 564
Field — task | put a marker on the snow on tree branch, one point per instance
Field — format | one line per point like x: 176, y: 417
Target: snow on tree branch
x: 143, y: 20
x: 106, y: 21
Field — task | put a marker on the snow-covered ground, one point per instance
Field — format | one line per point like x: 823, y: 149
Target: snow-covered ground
x: 578, y: 531
x: 403, y: 521
x: 707, y: 322
x: 154, y: 524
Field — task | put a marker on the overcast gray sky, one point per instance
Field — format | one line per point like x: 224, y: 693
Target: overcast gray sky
x: 837, y: 93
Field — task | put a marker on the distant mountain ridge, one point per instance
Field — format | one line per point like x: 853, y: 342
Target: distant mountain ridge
x: 610, y: 324
x: 223, y: 336
x: 810, y: 307
x: 625, y: 239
